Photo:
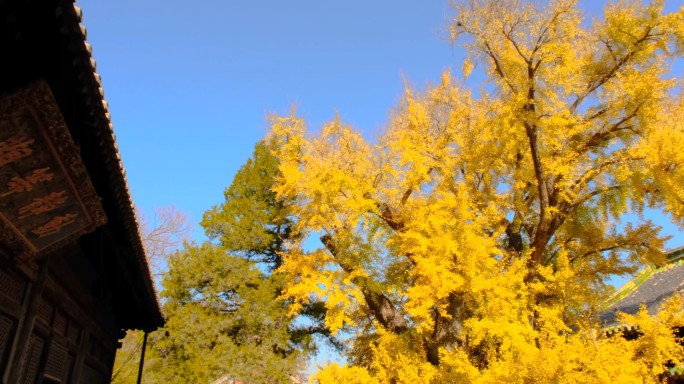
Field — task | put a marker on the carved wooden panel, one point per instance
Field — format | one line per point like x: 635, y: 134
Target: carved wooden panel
x: 46, y: 196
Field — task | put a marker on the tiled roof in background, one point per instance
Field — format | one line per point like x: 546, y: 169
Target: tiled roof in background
x: 651, y: 288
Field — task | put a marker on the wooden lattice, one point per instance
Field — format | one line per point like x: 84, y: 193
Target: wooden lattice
x: 44, y: 312
x: 60, y: 323
x: 11, y: 287
x: 74, y: 333
x: 55, y: 364
x: 32, y: 361
x: 6, y: 327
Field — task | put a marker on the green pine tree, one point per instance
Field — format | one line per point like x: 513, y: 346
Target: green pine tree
x: 221, y: 298
x: 252, y: 223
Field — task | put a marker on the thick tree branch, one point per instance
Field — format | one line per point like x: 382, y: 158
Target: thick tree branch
x: 544, y: 227
x: 380, y: 305
x: 593, y: 251
x: 515, y: 241
x: 600, y: 137
x: 591, y: 194
x: 497, y: 65
x: 388, y: 215
x: 591, y: 173
x: 510, y: 38
x: 596, y: 114
x: 446, y: 328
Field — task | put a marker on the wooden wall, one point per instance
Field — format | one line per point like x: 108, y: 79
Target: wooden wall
x: 56, y: 321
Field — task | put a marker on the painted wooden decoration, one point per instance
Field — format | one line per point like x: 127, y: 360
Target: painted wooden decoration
x: 46, y: 196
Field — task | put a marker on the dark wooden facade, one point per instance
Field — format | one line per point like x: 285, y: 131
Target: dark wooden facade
x: 73, y: 274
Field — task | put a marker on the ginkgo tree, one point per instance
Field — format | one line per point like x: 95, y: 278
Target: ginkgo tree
x: 473, y: 240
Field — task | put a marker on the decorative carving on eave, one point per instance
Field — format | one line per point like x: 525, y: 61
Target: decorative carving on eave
x: 46, y: 196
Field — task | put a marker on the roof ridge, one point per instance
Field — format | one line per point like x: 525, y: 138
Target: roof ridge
x: 631, y: 285
x: 645, y: 274
x: 675, y: 254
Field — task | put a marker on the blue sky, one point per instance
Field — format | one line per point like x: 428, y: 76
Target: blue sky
x: 189, y: 84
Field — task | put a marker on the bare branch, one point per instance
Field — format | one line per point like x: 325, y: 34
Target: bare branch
x: 162, y: 235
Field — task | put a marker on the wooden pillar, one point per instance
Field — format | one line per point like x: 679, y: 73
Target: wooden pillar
x: 79, y: 359
x: 142, y: 358
x: 25, y: 326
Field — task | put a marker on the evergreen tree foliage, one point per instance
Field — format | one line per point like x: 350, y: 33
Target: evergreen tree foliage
x: 221, y: 298
x: 252, y: 223
x: 222, y: 318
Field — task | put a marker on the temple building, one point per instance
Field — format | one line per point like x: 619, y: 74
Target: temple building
x: 651, y: 288
x: 73, y: 272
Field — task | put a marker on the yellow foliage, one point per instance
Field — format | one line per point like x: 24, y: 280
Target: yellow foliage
x: 334, y: 374
x: 472, y: 241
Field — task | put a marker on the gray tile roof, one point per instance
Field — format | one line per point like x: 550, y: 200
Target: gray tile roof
x: 651, y: 288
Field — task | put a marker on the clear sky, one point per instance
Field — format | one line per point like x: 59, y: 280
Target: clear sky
x: 189, y: 84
